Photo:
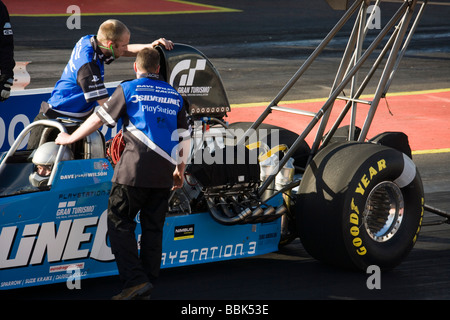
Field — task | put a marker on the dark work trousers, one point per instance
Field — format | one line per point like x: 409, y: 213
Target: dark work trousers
x: 124, y: 204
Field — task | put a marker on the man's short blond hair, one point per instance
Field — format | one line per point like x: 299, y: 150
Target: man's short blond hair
x: 112, y: 30
x: 148, y: 60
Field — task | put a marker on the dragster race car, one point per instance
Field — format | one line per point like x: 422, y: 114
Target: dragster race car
x: 52, y: 227
x: 249, y: 187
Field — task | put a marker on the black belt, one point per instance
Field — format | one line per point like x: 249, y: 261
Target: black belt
x: 53, y: 114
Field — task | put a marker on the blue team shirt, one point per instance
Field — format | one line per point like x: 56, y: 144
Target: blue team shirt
x: 81, y: 83
x: 154, y: 119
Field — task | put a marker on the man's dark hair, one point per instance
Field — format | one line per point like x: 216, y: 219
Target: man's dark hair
x: 148, y: 59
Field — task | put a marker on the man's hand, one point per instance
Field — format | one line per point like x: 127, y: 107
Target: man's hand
x: 133, y: 49
x: 178, y: 177
x: 5, y: 87
x: 87, y: 127
x: 63, y: 138
x: 168, y: 44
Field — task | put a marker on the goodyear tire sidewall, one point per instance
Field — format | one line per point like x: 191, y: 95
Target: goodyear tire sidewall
x: 385, y: 165
x: 331, y: 189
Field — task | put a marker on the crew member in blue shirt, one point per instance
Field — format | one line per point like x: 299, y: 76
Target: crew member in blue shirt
x: 81, y: 85
x: 157, y: 143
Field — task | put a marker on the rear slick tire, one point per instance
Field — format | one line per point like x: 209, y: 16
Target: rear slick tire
x: 360, y: 204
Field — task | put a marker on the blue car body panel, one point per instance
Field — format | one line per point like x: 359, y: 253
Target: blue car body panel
x: 44, y: 233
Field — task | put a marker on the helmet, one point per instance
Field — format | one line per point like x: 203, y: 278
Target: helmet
x: 45, y: 156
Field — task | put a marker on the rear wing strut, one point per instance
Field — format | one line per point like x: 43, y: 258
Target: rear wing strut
x: 396, y: 36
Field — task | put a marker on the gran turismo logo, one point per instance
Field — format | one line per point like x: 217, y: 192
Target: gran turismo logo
x: 188, y: 73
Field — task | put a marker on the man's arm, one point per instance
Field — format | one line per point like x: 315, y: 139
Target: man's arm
x: 184, y: 148
x: 89, y: 78
x: 92, y: 124
x: 116, y: 106
x: 133, y: 49
x: 102, y: 101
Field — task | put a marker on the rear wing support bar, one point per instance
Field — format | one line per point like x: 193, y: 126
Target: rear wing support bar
x: 353, y: 59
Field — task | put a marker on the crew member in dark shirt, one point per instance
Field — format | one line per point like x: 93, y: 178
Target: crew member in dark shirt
x: 157, y: 142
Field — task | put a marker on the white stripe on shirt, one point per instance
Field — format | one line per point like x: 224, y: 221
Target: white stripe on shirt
x: 95, y: 94
x: 149, y: 143
x: 105, y: 115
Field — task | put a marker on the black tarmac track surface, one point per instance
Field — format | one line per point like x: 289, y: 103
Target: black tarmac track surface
x: 256, y: 51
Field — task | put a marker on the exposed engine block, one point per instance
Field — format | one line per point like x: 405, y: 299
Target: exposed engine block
x: 230, y: 189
